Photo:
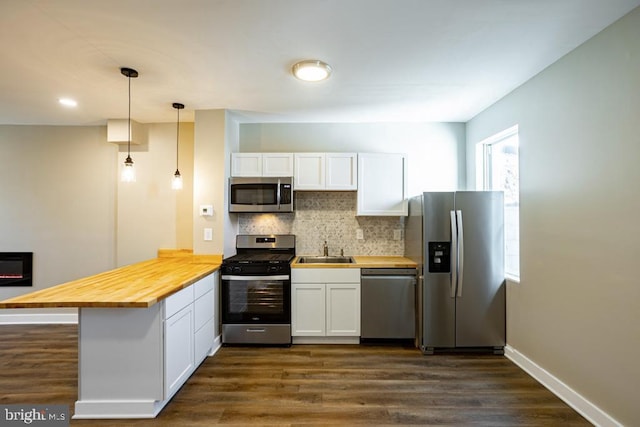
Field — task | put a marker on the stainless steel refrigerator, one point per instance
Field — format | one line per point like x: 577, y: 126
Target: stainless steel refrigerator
x: 457, y: 239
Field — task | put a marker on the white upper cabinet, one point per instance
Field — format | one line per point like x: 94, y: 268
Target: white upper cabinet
x: 277, y: 164
x: 325, y: 171
x: 342, y: 171
x: 382, y: 184
x: 309, y: 171
x: 261, y: 164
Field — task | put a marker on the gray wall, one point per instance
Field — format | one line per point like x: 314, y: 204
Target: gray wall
x: 436, y: 151
x: 436, y: 159
x: 58, y: 200
x: 575, y: 312
x: 61, y: 198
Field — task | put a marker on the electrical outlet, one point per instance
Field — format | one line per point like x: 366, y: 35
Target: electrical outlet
x: 359, y: 234
x: 397, y: 234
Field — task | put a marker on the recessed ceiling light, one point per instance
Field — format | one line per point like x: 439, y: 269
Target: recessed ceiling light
x: 311, y: 70
x: 68, y: 102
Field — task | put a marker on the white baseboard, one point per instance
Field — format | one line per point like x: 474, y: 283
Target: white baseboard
x: 325, y: 340
x: 217, y: 344
x: 572, y: 398
x: 37, y: 318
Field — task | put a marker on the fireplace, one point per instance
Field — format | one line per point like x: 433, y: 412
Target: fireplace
x: 16, y: 268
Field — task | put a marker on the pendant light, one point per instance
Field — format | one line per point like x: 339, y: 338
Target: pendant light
x: 128, y: 172
x: 176, y: 183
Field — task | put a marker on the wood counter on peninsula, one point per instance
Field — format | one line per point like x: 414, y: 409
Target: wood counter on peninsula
x: 143, y: 329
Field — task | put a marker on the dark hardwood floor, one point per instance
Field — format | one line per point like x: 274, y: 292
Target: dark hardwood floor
x: 300, y: 385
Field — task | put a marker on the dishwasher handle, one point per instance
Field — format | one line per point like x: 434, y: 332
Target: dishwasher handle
x: 388, y: 272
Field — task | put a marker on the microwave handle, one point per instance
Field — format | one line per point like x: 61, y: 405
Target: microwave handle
x: 278, y: 194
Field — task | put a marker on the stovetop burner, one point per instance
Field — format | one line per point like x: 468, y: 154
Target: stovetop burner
x: 260, y: 258
x: 260, y: 255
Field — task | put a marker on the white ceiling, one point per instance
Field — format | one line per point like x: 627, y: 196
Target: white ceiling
x: 393, y: 60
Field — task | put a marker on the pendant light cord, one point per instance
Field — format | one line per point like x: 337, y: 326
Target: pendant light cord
x: 129, y: 121
x: 177, y: 137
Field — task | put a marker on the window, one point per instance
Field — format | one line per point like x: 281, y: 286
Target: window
x: 498, y: 160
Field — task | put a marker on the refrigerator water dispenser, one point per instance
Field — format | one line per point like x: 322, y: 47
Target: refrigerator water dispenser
x: 439, y: 257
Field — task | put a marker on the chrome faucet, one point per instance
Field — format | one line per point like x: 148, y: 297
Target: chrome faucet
x: 325, y: 249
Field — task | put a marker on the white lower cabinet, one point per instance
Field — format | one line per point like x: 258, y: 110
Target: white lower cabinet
x: 178, y: 349
x: 204, y: 316
x: 308, y: 309
x: 188, y: 333
x: 133, y: 360
x: 325, y: 305
x: 343, y: 309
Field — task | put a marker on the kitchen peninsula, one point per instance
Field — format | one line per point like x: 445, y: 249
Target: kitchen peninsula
x: 142, y: 331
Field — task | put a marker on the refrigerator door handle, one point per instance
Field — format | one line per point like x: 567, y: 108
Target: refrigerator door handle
x: 454, y: 255
x: 460, y: 251
x: 419, y: 312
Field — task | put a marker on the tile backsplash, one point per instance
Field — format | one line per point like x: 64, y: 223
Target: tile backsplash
x: 329, y: 216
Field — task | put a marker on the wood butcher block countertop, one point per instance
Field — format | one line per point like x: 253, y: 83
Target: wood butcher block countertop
x: 363, y: 262
x: 137, y: 285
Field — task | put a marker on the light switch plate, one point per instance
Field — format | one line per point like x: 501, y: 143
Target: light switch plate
x: 208, y: 234
x: 359, y: 234
x: 397, y: 234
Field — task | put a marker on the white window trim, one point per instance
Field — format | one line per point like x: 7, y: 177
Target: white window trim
x: 482, y: 170
x: 481, y: 158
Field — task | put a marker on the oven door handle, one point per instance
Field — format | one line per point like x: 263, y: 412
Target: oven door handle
x: 245, y: 278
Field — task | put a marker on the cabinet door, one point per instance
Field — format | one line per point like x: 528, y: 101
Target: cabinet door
x: 204, y: 339
x: 246, y: 164
x: 341, y: 171
x: 343, y: 309
x: 203, y: 310
x: 308, y: 309
x: 179, y: 347
x: 277, y: 164
x: 382, y: 185
x: 309, y: 171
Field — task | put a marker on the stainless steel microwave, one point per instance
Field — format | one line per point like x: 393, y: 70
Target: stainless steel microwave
x: 265, y: 194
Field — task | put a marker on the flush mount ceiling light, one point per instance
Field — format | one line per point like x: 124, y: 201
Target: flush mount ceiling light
x: 176, y: 183
x: 311, y: 70
x: 68, y: 102
x: 128, y: 172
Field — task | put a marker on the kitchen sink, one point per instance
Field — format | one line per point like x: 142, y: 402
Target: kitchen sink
x: 326, y: 260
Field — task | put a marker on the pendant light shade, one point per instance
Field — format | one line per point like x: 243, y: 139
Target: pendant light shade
x: 176, y: 182
x: 128, y: 171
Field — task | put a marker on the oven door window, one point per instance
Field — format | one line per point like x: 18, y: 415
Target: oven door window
x: 257, y: 301
x: 254, y: 194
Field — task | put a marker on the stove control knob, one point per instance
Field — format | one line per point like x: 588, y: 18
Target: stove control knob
x: 236, y: 269
x: 273, y: 268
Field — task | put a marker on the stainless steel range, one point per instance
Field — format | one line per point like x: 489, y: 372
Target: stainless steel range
x: 256, y: 290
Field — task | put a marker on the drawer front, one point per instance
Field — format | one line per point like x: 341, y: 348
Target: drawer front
x: 325, y: 275
x: 203, y: 309
x: 204, y: 285
x: 178, y: 301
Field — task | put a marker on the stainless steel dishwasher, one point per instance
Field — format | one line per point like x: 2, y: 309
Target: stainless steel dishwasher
x: 388, y: 308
